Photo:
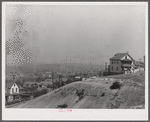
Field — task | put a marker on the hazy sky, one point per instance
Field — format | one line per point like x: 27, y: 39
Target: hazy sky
x: 56, y: 32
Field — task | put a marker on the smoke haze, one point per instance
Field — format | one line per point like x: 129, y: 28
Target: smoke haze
x: 54, y: 32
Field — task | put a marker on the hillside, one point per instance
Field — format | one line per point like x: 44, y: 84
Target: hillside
x: 96, y: 93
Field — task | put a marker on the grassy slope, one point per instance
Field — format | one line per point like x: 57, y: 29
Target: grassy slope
x: 97, y: 94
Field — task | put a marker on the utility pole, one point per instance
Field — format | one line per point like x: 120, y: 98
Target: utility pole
x: 106, y: 66
x: 14, y: 77
x: 139, y: 65
x: 52, y: 76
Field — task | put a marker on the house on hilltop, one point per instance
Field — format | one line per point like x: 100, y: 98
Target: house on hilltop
x: 121, y: 63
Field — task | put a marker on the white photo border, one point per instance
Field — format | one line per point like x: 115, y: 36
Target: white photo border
x: 75, y: 114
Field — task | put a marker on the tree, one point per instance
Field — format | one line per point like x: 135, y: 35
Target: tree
x: 85, y: 75
x: 53, y: 79
x: 60, y: 79
x: 33, y: 87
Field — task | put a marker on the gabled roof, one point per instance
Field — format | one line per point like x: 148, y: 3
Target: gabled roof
x: 8, y: 85
x: 20, y: 87
x: 120, y: 55
x: 77, y: 77
x: 28, y: 84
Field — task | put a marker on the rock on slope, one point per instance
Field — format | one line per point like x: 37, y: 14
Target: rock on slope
x: 96, y: 93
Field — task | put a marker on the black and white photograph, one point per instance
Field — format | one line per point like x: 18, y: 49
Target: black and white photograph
x: 87, y: 58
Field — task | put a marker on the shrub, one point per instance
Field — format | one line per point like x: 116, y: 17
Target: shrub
x: 105, y: 73
x: 80, y: 93
x: 35, y: 93
x: 49, y: 86
x: 68, y: 81
x: 44, y: 91
x: 63, y: 106
x: 115, y: 85
x: 103, y: 94
x: 38, y: 93
x: 62, y: 83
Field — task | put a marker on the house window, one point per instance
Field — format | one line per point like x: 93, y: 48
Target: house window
x: 117, y: 61
x: 16, y: 89
x: 12, y: 89
x: 14, y: 84
x: 126, y: 57
x: 111, y: 68
x: 117, y: 68
x: 112, y: 61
